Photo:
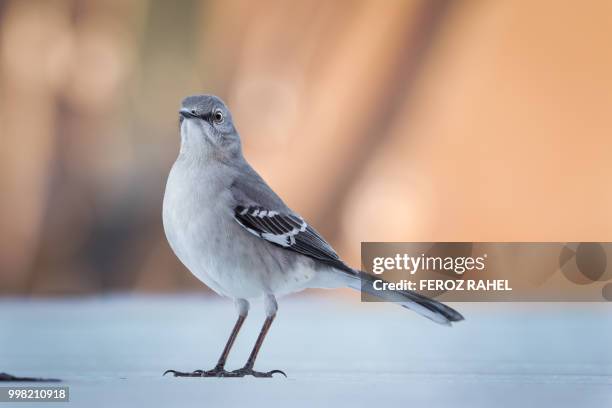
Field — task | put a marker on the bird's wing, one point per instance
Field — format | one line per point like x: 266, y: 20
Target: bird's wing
x: 288, y: 231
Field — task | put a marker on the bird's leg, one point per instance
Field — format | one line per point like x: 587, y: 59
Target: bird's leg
x: 219, y: 370
x: 230, y: 342
x: 271, y: 308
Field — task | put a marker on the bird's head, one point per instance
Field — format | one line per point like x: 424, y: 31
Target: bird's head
x: 207, y: 129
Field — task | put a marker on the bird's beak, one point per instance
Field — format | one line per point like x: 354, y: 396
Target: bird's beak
x: 185, y: 113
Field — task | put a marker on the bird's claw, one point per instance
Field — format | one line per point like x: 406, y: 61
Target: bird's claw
x: 220, y: 372
x: 215, y: 372
x: 241, y: 372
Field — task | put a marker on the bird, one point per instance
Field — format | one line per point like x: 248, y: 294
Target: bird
x: 237, y: 236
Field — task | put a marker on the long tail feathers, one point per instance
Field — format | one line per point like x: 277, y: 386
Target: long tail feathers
x: 423, y: 305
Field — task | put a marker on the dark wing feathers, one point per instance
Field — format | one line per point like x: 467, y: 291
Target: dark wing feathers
x: 288, y: 231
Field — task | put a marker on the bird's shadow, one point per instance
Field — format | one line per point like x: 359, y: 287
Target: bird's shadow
x: 9, y: 377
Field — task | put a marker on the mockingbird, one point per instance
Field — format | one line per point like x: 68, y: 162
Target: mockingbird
x: 234, y: 233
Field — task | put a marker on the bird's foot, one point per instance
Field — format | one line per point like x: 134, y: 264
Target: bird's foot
x: 241, y: 372
x: 215, y: 372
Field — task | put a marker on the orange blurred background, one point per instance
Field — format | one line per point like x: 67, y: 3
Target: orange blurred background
x: 423, y: 120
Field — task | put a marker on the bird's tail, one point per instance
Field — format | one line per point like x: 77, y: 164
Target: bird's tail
x: 423, y: 305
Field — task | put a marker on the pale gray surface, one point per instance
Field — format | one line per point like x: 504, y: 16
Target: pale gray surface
x: 111, y: 352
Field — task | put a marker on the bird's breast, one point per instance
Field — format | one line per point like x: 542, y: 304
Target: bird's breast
x: 196, y: 218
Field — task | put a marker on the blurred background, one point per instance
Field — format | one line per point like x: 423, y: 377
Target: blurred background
x: 416, y: 120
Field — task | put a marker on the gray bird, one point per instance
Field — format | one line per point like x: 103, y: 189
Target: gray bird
x: 236, y: 235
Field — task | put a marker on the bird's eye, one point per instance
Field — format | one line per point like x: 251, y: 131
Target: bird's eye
x: 193, y: 112
x: 217, y: 116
